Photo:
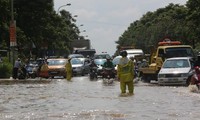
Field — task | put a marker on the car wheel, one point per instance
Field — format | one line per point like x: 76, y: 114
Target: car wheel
x: 188, y: 81
x: 146, y: 78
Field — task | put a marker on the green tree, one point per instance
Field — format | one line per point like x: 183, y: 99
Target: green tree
x: 44, y: 28
x: 193, y: 21
x: 4, y: 24
x: 155, y: 26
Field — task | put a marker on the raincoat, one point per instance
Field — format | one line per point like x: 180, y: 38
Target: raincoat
x: 125, y: 73
x: 68, y: 67
x: 43, y: 72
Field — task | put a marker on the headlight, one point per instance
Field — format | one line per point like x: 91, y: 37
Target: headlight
x: 161, y: 75
x: 184, y: 75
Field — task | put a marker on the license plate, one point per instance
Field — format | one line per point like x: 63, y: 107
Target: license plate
x: 174, y: 79
x: 53, y: 72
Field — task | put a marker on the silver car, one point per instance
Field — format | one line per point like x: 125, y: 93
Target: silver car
x: 176, y: 71
x: 80, y: 66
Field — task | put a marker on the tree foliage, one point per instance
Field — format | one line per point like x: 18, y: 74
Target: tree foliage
x: 39, y: 27
x: 173, y: 21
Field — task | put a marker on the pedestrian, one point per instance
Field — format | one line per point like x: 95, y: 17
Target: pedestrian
x: 125, y: 74
x: 68, y: 68
x: 16, y: 67
x: 43, y: 71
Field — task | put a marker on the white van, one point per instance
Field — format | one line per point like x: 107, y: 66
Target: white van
x: 134, y: 52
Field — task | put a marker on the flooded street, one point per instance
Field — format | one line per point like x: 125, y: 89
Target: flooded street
x: 83, y: 99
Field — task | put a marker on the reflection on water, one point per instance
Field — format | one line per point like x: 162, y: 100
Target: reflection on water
x: 83, y: 99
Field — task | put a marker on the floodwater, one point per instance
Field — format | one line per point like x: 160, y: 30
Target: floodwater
x: 83, y: 99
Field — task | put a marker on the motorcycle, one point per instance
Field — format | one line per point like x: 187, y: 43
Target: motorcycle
x: 108, y: 73
x: 195, y: 80
x: 93, y: 73
x: 22, y: 73
x: 31, y: 71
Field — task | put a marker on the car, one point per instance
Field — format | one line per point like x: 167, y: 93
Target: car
x: 99, y: 63
x: 116, y: 61
x: 80, y: 66
x: 57, y: 67
x: 75, y: 56
x: 176, y: 71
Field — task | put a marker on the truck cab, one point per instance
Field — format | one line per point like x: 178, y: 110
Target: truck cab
x: 165, y: 49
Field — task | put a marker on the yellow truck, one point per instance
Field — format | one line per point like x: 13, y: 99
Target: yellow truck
x: 165, y: 49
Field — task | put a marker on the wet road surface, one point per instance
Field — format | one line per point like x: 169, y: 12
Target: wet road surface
x: 83, y: 99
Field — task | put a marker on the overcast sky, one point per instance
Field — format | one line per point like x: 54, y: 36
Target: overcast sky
x: 106, y: 20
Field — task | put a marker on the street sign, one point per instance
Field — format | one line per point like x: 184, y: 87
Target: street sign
x: 13, y: 34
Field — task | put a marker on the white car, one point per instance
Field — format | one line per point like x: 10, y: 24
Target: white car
x: 176, y: 71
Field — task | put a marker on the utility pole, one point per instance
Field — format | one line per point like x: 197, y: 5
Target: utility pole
x: 13, y: 42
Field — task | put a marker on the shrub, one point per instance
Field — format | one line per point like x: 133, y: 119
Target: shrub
x: 5, y: 69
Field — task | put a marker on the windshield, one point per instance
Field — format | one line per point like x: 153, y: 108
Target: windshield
x: 56, y: 62
x: 100, y: 62
x: 179, y: 52
x: 76, y: 56
x: 102, y: 56
x: 176, y: 63
x: 76, y: 61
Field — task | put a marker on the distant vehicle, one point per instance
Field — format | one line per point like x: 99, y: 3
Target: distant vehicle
x: 57, y: 67
x: 165, y: 49
x: 75, y: 56
x: 85, y: 52
x: 176, y: 71
x: 99, y: 63
x: 33, y: 66
x: 81, y: 44
x: 31, y: 70
x: 102, y: 56
x: 80, y: 66
x: 134, y: 52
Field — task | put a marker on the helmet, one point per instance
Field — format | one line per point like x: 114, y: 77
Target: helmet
x: 108, y: 58
x: 123, y: 53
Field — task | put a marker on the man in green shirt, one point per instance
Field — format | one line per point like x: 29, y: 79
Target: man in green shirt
x: 108, y: 69
x: 108, y: 63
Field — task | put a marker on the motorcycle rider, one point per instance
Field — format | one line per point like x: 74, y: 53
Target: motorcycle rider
x: 92, y: 65
x: 93, y: 68
x: 108, y: 65
x: 125, y: 73
x: 195, y: 79
x: 197, y: 62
